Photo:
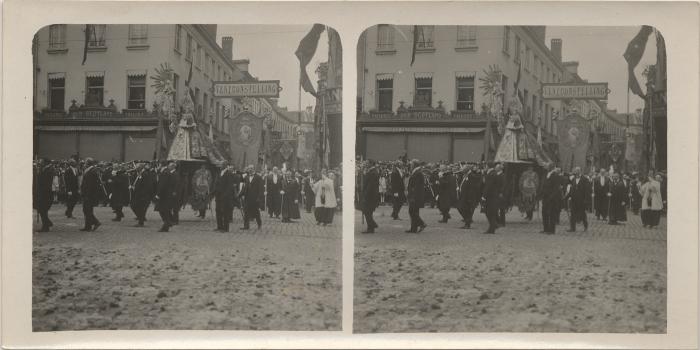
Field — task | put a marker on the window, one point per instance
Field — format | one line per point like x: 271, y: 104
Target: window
x: 526, y: 110
x: 94, y: 91
x: 517, y: 49
x: 219, y: 117
x: 138, y: 34
x: 189, y: 48
x: 213, y: 66
x: 97, y: 35
x: 137, y: 92
x: 385, y: 92
x: 57, y: 37
x: 176, y: 87
x: 205, y: 101
x: 546, y: 77
x: 536, y: 70
x: 385, y: 37
x: 424, y: 92
x: 198, y: 58
x: 178, y: 37
x: 197, y: 106
x: 533, y: 116
x: 506, y: 39
x: 504, y: 87
x: 542, y: 75
x: 424, y: 38
x: 218, y: 72
x: 527, y: 59
x: 466, y: 36
x: 207, y: 63
x: 57, y: 91
x: 465, y: 93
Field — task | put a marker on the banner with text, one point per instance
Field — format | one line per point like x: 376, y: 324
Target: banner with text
x: 583, y: 91
x: 267, y: 88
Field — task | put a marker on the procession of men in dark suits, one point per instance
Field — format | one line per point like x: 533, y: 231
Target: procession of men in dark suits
x: 468, y: 186
x: 138, y: 184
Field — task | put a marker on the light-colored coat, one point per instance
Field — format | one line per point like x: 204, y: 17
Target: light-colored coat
x: 651, y: 189
x: 318, y: 188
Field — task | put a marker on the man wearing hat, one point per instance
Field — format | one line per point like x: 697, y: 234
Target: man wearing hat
x: 224, y: 192
x: 43, y: 195
x: 91, y: 189
x: 617, y: 199
x: 469, y: 194
x: 143, y: 189
x: 398, y: 189
x: 119, y: 197
x: 416, y: 196
x: 252, y: 191
x: 167, y: 195
x: 70, y: 178
x: 370, y: 195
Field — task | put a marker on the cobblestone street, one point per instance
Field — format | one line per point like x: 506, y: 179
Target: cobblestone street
x: 282, y: 277
x: 446, y: 279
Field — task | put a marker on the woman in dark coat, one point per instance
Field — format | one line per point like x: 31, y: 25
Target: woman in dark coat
x: 291, y: 196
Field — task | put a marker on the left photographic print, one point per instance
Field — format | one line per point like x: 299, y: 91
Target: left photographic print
x: 187, y: 176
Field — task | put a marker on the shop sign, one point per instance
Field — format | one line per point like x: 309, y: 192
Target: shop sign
x: 583, y: 91
x: 266, y: 88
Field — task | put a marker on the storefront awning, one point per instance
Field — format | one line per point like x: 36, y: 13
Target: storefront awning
x: 94, y: 128
x: 99, y: 74
x: 425, y: 75
x: 136, y: 73
x: 385, y: 76
x: 465, y: 74
x: 423, y: 130
x: 54, y: 76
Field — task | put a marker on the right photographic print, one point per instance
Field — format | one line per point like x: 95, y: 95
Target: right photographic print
x: 510, y: 179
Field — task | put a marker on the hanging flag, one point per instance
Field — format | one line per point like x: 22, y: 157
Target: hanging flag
x: 88, y: 29
x: 539, y: 136
x: 211, y: 132
x: 415, y: 42
x: 517, y: 83
x: 633, y: 54
x: 305, y: 52
x: 660, y: 59
x: 187, y: 82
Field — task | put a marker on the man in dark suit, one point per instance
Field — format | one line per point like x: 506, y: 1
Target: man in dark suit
x: 617, y: 194
x: 416, y: 197
x: 494, y: 196
x: 92, y: 190
x: 370, y: 195
x: 446, y: 190
x: 224, y: 191
x: 43, y: 197
x: 398, y: 190
x: 550, y: 193
x: 119, y: 197
x: 579, y: 194
x: 272, y: 192
x: 167, y: 195
x: 600, y: 192
x: 143, y: 189
x: 70, y: 178
x: 469, y: 194
x: 253, y: 189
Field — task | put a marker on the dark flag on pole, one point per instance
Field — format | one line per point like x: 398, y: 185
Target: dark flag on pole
x: 415, y: 42
x: 517, y: 84
x: 187, y: 82
x: 88, y: 29
x: 633, y: 54
x: 305, y: 52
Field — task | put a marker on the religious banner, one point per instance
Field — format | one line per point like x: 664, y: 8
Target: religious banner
x: 573, y: 141
x: 633, y: 149
x: 245, y: 132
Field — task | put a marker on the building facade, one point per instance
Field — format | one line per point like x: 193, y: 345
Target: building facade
x: 432, y: 108
x: 103, y: 107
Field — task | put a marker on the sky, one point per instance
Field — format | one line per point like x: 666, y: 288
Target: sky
x: 270, y: 49
x: 599, y: 53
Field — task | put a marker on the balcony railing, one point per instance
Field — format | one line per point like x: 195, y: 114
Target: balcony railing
x: 95, y: 113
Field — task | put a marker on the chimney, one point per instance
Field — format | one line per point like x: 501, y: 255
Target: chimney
x: 571, y: 66
x: 555, y: 47
x: 227, y: 46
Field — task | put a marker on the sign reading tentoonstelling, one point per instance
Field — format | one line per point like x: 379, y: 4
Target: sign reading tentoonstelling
x: 263, y: 88
x: 559, y: 91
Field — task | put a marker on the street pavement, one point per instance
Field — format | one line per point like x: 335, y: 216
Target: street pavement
x: 609, y: 279
x: 282, y: 277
